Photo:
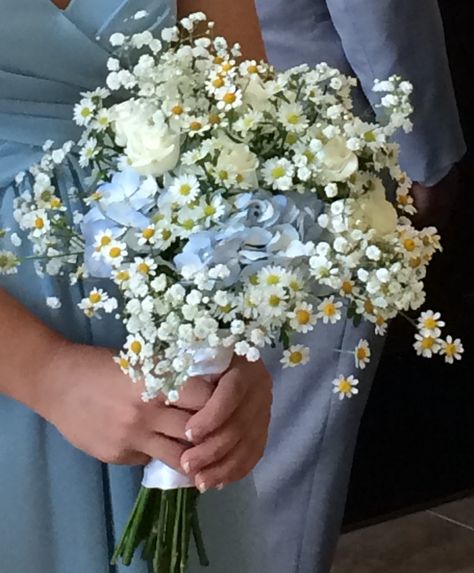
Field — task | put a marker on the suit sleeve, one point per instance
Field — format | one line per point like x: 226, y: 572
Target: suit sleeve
x: 406, y: 37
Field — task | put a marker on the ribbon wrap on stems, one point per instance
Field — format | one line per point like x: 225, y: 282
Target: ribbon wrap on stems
x: 209, y: 363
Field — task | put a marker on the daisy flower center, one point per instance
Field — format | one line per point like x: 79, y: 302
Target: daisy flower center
x: 136, y: 347
x: 345, y: 386
x: 95, y: 297
x: 274, y: 300
x: 278, y: 172
x: 115, y: 252
x: 296, y: 357
x: 303, y: 316
x: 39, y: 223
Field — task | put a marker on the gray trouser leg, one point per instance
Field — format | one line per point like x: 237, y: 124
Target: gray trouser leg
x: 302, y: 480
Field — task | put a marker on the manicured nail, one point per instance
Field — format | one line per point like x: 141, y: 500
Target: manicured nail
x: 220, y: 487
x: 187, y: 468
x: 189, y: 435
x: 202, y: 487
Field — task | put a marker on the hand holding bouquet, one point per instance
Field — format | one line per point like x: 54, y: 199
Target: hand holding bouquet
x: 231, y: 206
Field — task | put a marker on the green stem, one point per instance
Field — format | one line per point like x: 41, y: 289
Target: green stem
x: 197, y: 534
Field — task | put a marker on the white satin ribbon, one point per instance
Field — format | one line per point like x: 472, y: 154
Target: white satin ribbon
x: 207, y: 362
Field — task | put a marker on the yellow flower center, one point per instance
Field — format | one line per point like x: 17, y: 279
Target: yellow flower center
x: 218, y: 60
x: 55, y: 203
x: 105, y: 240
x: 177, y: 110
x: 209, y: 210
x: 214, y: 119
x: 361, y: 353
x: 223, y: 175
x: 188, y: 224
x: 226, y: 66
x: 274, y: 300
x: 409, y: 245
x: 427, y: 343
x: 136, y: 347
x: 278, y: 172
x: 225, y: 309
x: 124, y: 364
x: 273, y: 280
x: 368, y: 307
x: 115, y: 252
x: 185, y: 190
x: 293, y: 119
x: 252, y: 69
x: 291, y: 138
x: 303, y: 316
x: 95, y: 297
x: 345, y: 386
x: 196, y: 125
x: 123, y: 276
x: 296, y: 357
x: 451, y: 350
x: 403, y: 200
x: 148, y: 233
x: 329, y: 309
x: 295, y: 286
x: 415, y: 262
x: 143, y: 268
x: 254, y: 280
x: 39, y: 223
x: 430, y: 323
x: 86, y: 112
x: 230, y: 98
x: 218, y: 83
x: 309, y: 156
x: 369, y: 136
x: 165, y: 234
x: 347, y: 287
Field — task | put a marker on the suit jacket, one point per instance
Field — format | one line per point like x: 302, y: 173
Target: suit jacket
x: 374, y: 39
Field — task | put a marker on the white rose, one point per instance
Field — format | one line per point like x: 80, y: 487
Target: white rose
x: 151, y: 146
x: 374, y: 211
x: 255, y: 94
x: 237, y: 158
x: 338, y: 161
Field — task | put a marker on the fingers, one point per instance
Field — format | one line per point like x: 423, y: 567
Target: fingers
x: 226, y: 398
x: 164, y: 449
x: 170, y: 422
x: 233, y: 467
x: 195, y: 394
x: 214, y: 448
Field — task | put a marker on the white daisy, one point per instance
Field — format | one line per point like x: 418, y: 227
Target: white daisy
x: 297, y: 355
x: 430, y: 324
x: 426, y: 346
x: 330, y: 310
x: 451, y: 349
x: 279, y: 174
x: 346, y: 387
x: 185, y: 189
x: 292, y: 117
x: 84, y: 112
x: 362, y: 354
x: 303, y: 318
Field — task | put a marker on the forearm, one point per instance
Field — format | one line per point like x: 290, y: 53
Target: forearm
x: 27, y: 346
x: 236, y: 20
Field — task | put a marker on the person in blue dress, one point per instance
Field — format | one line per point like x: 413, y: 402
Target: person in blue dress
x: 73, y: 430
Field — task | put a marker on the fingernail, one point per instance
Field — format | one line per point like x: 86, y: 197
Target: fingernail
x: 187, y: 467
x: 220, y: 487
x: 189, y: 435
x: 202, y: 487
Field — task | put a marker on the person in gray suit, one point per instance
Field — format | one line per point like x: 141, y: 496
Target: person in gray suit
x: 303, y: 478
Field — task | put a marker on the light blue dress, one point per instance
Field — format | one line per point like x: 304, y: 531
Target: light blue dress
x: 62, y: 511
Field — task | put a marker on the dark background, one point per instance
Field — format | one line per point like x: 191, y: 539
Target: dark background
x: 416, y: 443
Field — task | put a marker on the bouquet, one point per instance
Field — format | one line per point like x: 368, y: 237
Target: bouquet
x: 230, y: 207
